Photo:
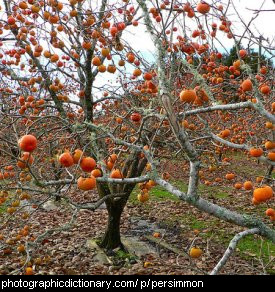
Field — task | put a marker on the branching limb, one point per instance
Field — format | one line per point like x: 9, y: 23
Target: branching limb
x: 234, y: 106
x: 232, y: 246
x: 220, y: 212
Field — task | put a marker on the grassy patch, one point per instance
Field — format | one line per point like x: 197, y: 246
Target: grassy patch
x: 245, y: 165
x: 248, y: 247
x: 3, y: 207
x: 216, y: 191
x: 191, y: 221
x: 182, y: 186
x: 256, y: 246
x: 122, y: 258
x: 221, y: 195
x: 122, y: 255
x: 197, y: 224
x: 236, y: 155
x: 133, y: 196
x: 161, y: 194
x: 156, y: 193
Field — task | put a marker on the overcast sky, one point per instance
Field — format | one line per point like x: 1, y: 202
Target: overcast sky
x: 140, y: 40
x: 263, y: 25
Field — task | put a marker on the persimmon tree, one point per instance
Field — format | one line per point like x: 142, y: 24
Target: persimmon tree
x: 82, y: 109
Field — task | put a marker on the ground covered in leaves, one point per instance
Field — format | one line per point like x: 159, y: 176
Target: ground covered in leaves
x: 180, y: 227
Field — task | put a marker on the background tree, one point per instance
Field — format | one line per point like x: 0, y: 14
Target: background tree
x: 252, y: 59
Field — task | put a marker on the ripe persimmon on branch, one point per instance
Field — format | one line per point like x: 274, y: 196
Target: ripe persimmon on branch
x: 84, y: 110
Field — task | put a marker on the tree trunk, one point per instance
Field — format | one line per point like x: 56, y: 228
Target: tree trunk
x: 111, y: 238
x: 115, y: 206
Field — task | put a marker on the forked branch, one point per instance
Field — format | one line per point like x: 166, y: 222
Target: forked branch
x: 231, y: 247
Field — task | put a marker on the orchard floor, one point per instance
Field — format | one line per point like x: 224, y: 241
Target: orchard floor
x: 178, y: 223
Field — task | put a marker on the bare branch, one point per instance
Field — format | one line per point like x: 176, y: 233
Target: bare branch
x: 232, y: 245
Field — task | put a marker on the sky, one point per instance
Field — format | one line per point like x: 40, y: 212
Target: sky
x: 261, y: 25
x: 141, y: 41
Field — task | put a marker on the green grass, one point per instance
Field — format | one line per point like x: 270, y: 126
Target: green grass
x: 255, y: 246
x: 189, y: 220
x: 120, y: 254
x: 156, y: 193
x: 161, y: 194
x: 221, y: 195
x: 122, y: 258
x: 2, y: 208
x: 236, y: 155
x: 182, y: 186
x: 245, y: 167
x: 196, y: 224
x: 216, y: 191
x: 249, y: 247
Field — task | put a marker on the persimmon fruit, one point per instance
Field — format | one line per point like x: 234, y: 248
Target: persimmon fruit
x: 247, y: 85
x: 66, y: 159
x: 230, y: 176
x: 87, y: 164
x: 270, y: 212
x: 135, y: 117
x: 86, y: 184
x: 256, y: 152
x: 29, y: 271
x: 28, y: 143
x: 271, y: 156
x: 195, y: 252
x: 77, y: 155
x: 203, y: 7
x: 116, y: 173
x: 263, y: 194
x: 248, y: 185
x: 96, y: 173
x: 143, y: 197
x: 188, y: 95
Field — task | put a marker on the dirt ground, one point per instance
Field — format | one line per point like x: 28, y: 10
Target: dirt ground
x: 179, y: 225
